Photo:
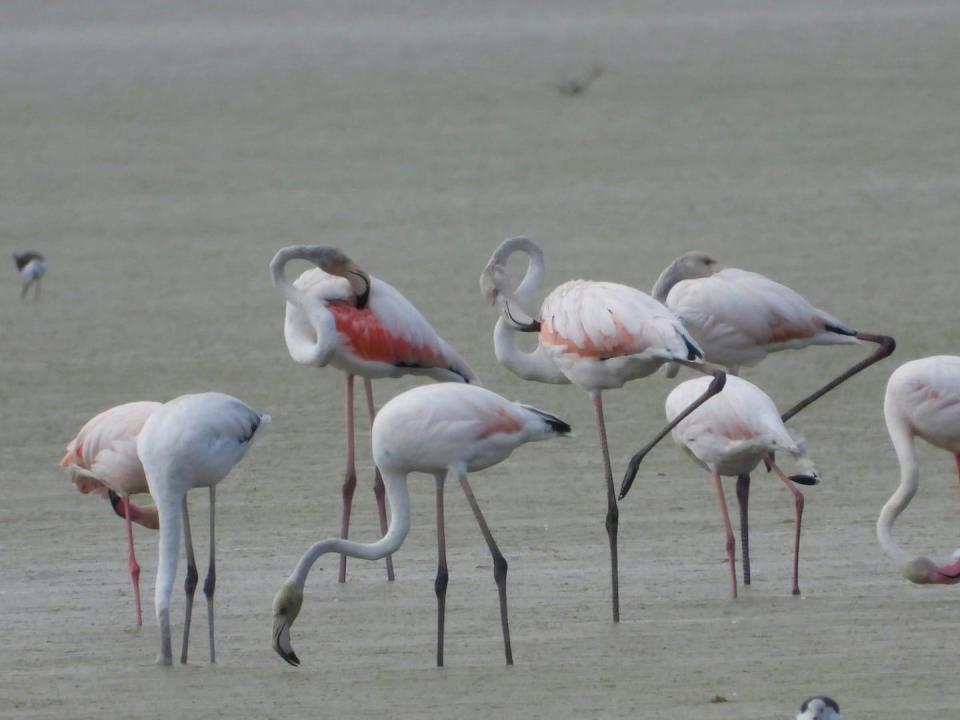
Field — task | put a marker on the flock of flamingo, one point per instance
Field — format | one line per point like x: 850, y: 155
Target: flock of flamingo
x: 596, y: 335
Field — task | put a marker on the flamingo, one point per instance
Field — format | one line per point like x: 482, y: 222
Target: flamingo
x: 339, y: 315
x: 819, y: 707
x: 445, y: 431
x: 729, y: 436
x: 922, y: 400
x: 32, y: 266
x: 103, y: 459
x: 191, y: 441
x: 739, y: 317
x: 597, y: 335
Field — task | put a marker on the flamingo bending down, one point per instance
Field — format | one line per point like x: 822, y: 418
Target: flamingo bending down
x: 729, y: 435
x: 922, y: 400
x: 31, y: 266
x: 339, y: 315
x: 191, y: 441
x: 739, y: 317
x: 103, y: 459
x: 446, y: 431
x: 597, y: 335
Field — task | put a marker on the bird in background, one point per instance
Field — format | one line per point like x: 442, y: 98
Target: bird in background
x: 922, y: 400
x: 442, y: 430
x: 596, y: 335
x: 31, y: 266
x: 192, y: 441
x: 339, y: 315
x: 728, y: 436
x: 738, y: 318
x: 103, y: 459
x: 819, y: 707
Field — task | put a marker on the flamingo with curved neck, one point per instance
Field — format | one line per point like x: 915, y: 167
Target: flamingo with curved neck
x: 596, y: 335
x: 339, y: 315
x: 922, y: 400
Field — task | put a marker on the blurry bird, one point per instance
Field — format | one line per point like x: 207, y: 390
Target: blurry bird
x: 578, y: 85
x: 819, y: 707
x: 32, y: 266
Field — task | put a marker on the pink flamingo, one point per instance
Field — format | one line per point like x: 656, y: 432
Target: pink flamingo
x: 339, y: 315
x: 192, y: 441
x: 739, y: 317
x: 923, y: 400
x: 729, y: 436
x: 103, y: 459
x: 445, y: 431
x: 596, y: 335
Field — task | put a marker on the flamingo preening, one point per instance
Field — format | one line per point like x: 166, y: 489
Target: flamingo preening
x: 739, y: 317
x: 922, y: 400
x: 191, y: 441
x: 445, y: 431
x: 729, y: 435
x: 103, y: 459
x: 596, y: 335
x: 31, y: 266
x: 339, y: 315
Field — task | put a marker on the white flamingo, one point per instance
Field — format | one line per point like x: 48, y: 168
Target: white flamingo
x: 31, y: 266
x: 923, y: 400
x: 596, y: 335
x: 729, y: 435
x: 103, y: 459
x: 191, y: 441
x: 819, y: 707
x: 738, y: 318
x: 339, y: 315
x: 445, y: 431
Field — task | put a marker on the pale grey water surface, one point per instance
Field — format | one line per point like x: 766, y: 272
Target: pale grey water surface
x: 159, y: 153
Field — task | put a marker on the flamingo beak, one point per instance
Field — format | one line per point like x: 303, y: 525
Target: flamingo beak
x: 281, y: 641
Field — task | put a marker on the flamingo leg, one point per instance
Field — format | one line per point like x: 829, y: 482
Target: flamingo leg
x: 957, y: 458
x: 798, y: 503
x: 499, y: 565
x: 378, y: 489
x: 743, y: 499
x: 886, y: 347
x: 190, y: 582
x: 719, y: 380
x: 350, y: 478
x: 210, y: 582
x: 440, y: 584
x: 36, y: 293
x: 613, y: 512
x: 23, y: 290
x: 731, y: 542
x: 132, y: 561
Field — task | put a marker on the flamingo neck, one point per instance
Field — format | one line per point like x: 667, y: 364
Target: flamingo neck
x: 535, y: 365
x: 316, y: 353
x: 673, y: 274
x: 906, y: 451
x: 396, y: 487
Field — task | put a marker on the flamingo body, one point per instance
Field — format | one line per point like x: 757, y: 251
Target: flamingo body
x: 739, y: 317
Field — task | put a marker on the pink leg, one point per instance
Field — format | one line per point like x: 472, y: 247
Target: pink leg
x: 731, y: 543
x: 957, y: 458
x: 350, y: 479
x: 378, y: 489
x: 613, y: 512
x: 798, y: 502
x: 132, y: 561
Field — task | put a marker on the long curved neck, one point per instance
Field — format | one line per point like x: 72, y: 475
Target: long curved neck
x: 279, y: 276
x: 399, y: 497
x: 909, y: 481
x: 535, y: 365
x: 303, y: 351
x: 668, y: 278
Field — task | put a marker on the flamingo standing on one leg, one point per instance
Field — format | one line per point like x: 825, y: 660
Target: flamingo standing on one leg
x: 102, y: 458
x: 446, y: 431
x: 923, y: 400
x: 739, y: 317
x: 191, y: 441
x: 729, y: 435
x: 32, y: 266
x: 337, y: 314
x: 597, y: 335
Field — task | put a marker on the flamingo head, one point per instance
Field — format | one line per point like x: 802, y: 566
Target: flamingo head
x: 923, y: 571
x: 286, y: 607
x: 492, y: 279
x: 334, y: 261
x: 696, y: 264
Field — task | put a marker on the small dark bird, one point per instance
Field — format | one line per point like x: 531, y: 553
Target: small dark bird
x: 819, y: 707
x: 31, y: 266
x: 579, y: 85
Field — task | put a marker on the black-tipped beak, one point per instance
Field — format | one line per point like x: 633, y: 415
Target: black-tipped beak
x: 631, y: 474
x: 281, y: 642
x: 804, y: 479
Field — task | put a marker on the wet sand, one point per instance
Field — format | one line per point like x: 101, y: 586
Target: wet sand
x: 160, y: 155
